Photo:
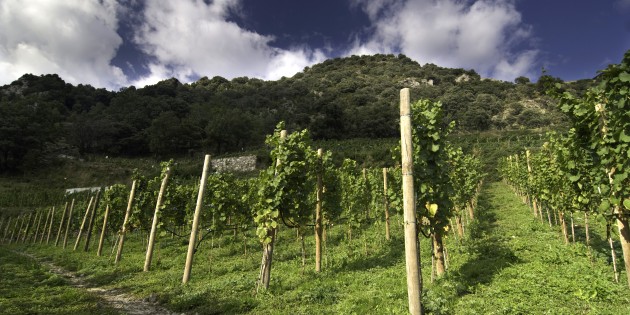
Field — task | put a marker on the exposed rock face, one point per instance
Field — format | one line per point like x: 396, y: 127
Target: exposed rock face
x: 413, y: 83
x: 462, y: 78
x: 245, y: 163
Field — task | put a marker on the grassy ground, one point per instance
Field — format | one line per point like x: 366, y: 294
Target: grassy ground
x: 27, y: 287
x: 510, y: 263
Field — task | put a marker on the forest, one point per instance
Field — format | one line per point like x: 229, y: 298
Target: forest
x: 43, y: 118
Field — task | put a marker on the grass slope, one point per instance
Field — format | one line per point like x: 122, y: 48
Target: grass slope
x: 27, y: 287
x: 510, y: 263
x: 518, y: 265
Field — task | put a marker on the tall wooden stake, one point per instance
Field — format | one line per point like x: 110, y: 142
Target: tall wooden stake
x: 41, y: 238
x: 28, y: 227
x: 195, y: 224
x: 16, y: 228
x: 572, y: 229
x: 412, y: 250
x: 624, y: 238
x: 614, y: 258
x: 565, y: 234
x: 123, y: 231
x: 533, y: 198
x: 588, y: 234
x: 318, y: 215
x: 386, y: 204
x: 52, y: 221
x: 87, y: 212
x: 158, y: 205
x: 99, y: 251
x: 91, y: 222
x: 68, y: 225
x: 63, y: 217
x: 6, y: 229
x: 38, y: 219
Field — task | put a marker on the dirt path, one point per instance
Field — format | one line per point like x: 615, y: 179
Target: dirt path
x: 113, y: 298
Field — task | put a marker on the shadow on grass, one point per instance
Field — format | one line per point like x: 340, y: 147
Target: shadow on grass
x: 487, y: 247
x: 389, y: 256
x: 600, y: 246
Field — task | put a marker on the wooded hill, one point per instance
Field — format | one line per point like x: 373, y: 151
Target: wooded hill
x: 43, y: 117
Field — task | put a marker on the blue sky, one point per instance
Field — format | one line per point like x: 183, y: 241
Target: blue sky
x: 116, y: 43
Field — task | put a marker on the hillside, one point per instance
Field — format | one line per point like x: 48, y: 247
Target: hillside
x: 44, y: 118
x: 508, y: 263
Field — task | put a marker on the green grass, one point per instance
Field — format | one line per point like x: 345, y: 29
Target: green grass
x: 27, y: 287
x: 510, y: 263
x: 519, y: 265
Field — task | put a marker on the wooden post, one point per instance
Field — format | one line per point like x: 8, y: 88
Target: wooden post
x: 87, y: 212
x: 460, y: 227
x: 17, y: 226
x: 63, y: 217
x: 41, y: 238
x: 158, y: 205
x: 99, y: 251
x: 123, y: 231
x: 386, y: 204
x: 614, y: 258
x: 18, y: 230
x: 624, y: 238
x: 50, y: 225
x: 572, y: 229
x: 471, y: 210
x: 533, y: 198
x: 6, y: 229
x: 588, y: 235
x: 91, y: 222
x: 195, y: 224
x: 565, y: 234
x: 68, y: 224
x: 39, y: 216
x: 28, y: 227
x: 318, y: 215
x: 412, y: 250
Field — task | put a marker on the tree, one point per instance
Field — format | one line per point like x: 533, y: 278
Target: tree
x: 522, y: 80
x: 29, y: 128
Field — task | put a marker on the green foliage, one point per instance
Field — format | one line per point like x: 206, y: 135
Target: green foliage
x: 342, y: 98
x: 512, y: 265
x: 285, y: 188
x: 430, y: 164
x: 589, y: 167
x: 355, y: 194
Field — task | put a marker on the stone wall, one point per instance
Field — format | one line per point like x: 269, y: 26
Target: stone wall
x: 245, y: 163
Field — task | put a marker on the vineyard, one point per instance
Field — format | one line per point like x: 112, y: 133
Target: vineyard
x: 316, y: 233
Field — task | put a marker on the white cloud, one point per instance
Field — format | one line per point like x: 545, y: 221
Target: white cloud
x: 191, y: 37
x: 623, y: 4
x: 73, y: 38
x: 481, y: 35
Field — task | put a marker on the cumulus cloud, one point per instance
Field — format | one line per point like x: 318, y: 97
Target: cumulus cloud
x: 189, y: 38
x: 482, y: 35
x: 75, y: 39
